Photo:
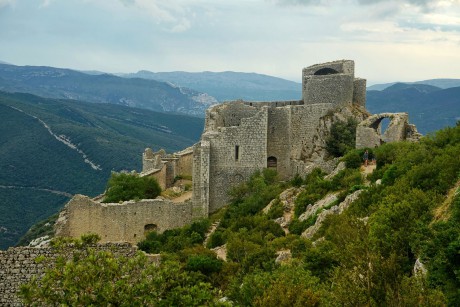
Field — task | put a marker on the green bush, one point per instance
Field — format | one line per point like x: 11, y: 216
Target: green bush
x: 342, y: 137
x: 297, y: 226
x: 123, y: 187
x: 276, y: 210
x: 354, y: 158
x: 204, y: 264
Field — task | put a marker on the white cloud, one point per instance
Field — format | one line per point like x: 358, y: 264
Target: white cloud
x: 172, y: 13
x: 4, y: 3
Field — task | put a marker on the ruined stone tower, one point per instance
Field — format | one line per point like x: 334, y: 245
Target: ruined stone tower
x: 242, y: 137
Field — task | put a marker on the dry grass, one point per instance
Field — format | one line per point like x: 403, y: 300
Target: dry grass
x: 442, y: 213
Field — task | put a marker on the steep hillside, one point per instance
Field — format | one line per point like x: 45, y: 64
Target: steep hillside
x: 102, y: 88
x: 355, y: 238
x: 230, y: 85
x: 51, y: 149
x: 430, y: 108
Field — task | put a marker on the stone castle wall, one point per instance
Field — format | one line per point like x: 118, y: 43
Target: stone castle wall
x: 18, y: 266
x: 184, y: 164
x: 236, y: 151
x: 164, y: 168
x: 241, y: 137
x: 125, y: 222
x: 330, y: 82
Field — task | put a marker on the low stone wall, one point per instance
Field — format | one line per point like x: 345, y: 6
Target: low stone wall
x: 120, y: 222
x: 18, y: 266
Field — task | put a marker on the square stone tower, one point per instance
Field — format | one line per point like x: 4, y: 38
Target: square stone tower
x: 333, y: 82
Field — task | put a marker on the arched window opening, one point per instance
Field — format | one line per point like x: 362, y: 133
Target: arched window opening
x: 326, y: 71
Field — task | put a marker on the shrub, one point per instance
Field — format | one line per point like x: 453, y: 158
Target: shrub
x: 297, y: 226
x: 204, y: 264
x: 342, y: 137
x: 122, y: 187
x: 276, y: 210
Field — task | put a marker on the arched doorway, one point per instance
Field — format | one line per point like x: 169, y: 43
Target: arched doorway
x: 150, y: 228
x: 272, y: 162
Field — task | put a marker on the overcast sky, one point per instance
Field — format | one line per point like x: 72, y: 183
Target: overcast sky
x: 405, y: 40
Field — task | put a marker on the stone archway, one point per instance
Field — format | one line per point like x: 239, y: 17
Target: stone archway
x: 369, y: 134
x: 272, y: 162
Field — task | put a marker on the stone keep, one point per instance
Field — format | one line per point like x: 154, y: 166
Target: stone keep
x: 242, y: 137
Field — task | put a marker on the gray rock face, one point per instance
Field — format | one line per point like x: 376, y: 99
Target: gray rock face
x: 338, y: 209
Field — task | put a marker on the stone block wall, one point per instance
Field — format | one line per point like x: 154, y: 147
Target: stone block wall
x: 235, y: 153
x: 184, y: 165
x: 336, y: 89
x: 305, y: 129
x: 279, y: 139
x: 228, y: 114
x: 124, y: 222
x: 359, y: 92
x: 200, y: 197
x: 159, y: 175
x: 18, y: 266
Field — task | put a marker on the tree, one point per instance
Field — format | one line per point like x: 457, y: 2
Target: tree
x: 99, y: 278
x: 122, y: 187
x: 342, y: 137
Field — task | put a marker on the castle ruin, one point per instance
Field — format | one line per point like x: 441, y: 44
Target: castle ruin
x: 240, y: 138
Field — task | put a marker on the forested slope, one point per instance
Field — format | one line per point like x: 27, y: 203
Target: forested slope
x: 51, y: 149
x: 397, y: 244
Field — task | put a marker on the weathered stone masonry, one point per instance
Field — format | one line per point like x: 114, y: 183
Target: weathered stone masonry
x: 240, y: 138
x: 18, y: 266
x: 124, y: 222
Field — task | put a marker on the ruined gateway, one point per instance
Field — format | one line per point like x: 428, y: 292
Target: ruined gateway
x: 239, y: 138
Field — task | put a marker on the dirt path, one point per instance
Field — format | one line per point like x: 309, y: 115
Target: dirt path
x: 183, y: 197
x: 366, y: 170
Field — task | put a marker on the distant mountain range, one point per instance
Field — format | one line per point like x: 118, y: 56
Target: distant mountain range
x: 229, y: 85
x: 103, y: 88
x: 441, y: 83
x: 51, y: 149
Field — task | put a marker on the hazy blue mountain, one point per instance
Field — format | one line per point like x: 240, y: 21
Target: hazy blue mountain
x: 441, y: 83
x: 51, y: 149
x: 430, y: 108
x: 230, y: 85
x: 102, y: 88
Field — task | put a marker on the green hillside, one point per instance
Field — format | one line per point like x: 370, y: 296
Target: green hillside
x: 396, y: 244
x: 39, y: 172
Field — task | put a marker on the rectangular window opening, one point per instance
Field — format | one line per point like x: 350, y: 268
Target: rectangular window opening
x: 237, y: 152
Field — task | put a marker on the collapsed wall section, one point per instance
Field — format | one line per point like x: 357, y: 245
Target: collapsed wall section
x: 228, y: 114
x: 125, y: 222
x: 369, y: 131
